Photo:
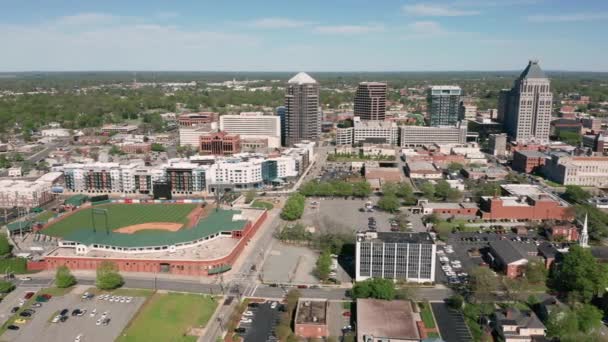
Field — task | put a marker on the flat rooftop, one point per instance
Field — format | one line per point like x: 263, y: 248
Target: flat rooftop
x: 210, y: 250
x: 311, y: 311
x: 532, y: 191
x: 386, y: 319
x: 398, y: 237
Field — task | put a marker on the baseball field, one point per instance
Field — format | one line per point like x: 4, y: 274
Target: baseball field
x: 120, y: 216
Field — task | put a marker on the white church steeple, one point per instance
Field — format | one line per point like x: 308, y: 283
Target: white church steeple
x: 583, y: 240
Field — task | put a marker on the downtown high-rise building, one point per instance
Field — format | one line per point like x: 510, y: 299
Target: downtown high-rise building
x: 444, y: 105
x: 370, y: 101
x: 525, y: 109
x: 302, y: 116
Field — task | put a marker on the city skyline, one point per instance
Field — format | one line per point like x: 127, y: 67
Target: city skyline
x: 298, y: 36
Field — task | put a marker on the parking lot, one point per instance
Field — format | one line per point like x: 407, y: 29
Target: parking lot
x: 40, y: 328
x: 287, y: 264
x: 260, y: 321
x: 337, y: 320
x: 340, y: 215
x: 452, y: 326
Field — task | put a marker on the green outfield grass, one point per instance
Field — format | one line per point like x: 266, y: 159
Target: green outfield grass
x: 167, y: 317
x: 121, y: 215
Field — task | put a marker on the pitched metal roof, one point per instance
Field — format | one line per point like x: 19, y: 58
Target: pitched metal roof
x: 302, y: 78
x: 533, y: 70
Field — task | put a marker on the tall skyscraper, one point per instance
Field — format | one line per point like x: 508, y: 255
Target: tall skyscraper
x: 526, y: 108
x: 370, y: 101
x: 444, y: 105
x: 303, y: 117
x: 281, y: 113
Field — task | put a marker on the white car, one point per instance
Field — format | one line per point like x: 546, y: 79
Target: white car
x: 246, y: 320
x: 248, y: 313
x: 123, y: 300
x: 56, y: 319
x: 274, y: 305
x: 98, y: 321
x: 25, y: 279
x: 93, y: 313
x: 78, y: 338
x: 129, y: 299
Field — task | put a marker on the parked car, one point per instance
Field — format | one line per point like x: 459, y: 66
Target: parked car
x: 248, y: 313
x: 28, y: 295
x: 246, y: 320
x: 25, y: 314
x: 12, y: 327
x: 274, y: 305
x: 64, y: 312
x: 37, y: 305
x: 20, y: 321
x: 240, y: 330
x: 346, y: 314
x: 79, y: 338
x: 106, y: 321
x: 14, y: 309
x: 25, y: 278
x: 92, y: 314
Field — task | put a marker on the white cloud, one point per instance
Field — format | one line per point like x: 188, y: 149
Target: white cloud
x: 433, y: 10
x: 568, y: 17
x: 106, y: 42
x: 278, y: 23
x: 349, y: 29
x: 424, y: 29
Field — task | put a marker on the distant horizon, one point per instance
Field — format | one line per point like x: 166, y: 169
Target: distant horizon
x: 296, y: 71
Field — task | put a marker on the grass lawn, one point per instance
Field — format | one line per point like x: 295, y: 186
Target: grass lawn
x: 123, y: 292
x: 121, y: 215
x: 56, y: 291
x: 262, y: 204
x: 44, y: 216
x: 427, y: 315
x: 167, y: 317
x: 15, y: 265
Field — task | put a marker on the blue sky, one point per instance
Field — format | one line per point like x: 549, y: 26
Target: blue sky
x: 293, y: 35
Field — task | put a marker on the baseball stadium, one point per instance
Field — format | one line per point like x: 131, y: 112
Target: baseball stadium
x: 184, y: 237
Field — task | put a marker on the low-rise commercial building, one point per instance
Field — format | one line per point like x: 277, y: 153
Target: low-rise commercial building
x: 506, y: 258
x: 412, y: 136
x: 144, y: 147
x: 397, y: 256
x: 524, y: 202
x: 446, y: 209
x: 119, y: 128
x: 375, y: 132
x: 384, y: 320
x: 311, y: 318
x: 423, y: 170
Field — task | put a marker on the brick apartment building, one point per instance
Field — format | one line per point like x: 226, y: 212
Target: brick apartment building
x: 528, y: 161
x: 195, y: 119
x: 220, y: 143
x: 311, y: 319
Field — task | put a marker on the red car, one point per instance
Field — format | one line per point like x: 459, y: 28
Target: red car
x: 28, y: 295
x: 302, y: 286
x: 346, y: 314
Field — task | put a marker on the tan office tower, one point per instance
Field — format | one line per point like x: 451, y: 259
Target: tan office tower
x: 370, y: 101
x: 302, y: 117
x: 527, y: 107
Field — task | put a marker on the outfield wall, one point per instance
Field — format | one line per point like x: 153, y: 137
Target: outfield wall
x: 181, y: 267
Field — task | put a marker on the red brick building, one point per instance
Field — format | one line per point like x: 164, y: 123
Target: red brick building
x: 524, y: 202
x: 195, y: 119
x: 566, y: 232
x: 506, y: 258
x: 450, y: 209
x: 138, y: 148
x: 220, y: 143
x: 528, y: 161
x: 311, y: 319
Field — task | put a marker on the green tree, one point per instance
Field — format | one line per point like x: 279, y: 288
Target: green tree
x: 64, y: 278
x: 406, y: 192
x: 5, y: 246
x: 293, y: 208
x: 323, y: 265
x: 483, y: 283
x: 570, y: 138
x: 362, y: 189
x: 108, y: 277
x: 294, y: 232
x: 576, y: 194
x: 115, y: 151
x: 390, y: 189
x: 428, y: 190
x: 389, y: 203
x: 156, y: 147
x: 4, y: 162
x: 454, y: 167
x: 342, y: 189
x: 589, y: 317
x: 17, y: 157
x: 581, y: 274
x: 453, y: 195
x: 250, y: 196
x: 536, y: 272
x: 377, y: 288
x: 6, y: 286
x: 456, y: 301
x: 441, y: 189
x: 561, y: 323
